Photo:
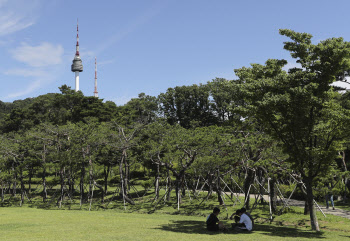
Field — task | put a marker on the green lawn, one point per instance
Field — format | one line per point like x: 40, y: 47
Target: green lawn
x: 38, y: 224
x: 145, y: 221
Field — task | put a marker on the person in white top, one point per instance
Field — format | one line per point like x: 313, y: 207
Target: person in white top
x: 245, y: 223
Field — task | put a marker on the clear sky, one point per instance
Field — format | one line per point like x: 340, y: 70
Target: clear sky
x: 149, y: 45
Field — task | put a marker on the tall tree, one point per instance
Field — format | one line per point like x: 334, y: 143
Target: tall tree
x: 300, y: 107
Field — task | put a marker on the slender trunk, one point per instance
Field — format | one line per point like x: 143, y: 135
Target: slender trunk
x: 210, y: 182
x: 177, y: 189
x: 156, y: 185
x: 82, y: 175
x: 30, y: 174
x: 22, y: 186
x: 247, y: 182
x: 2, y: 191
x: 44, y: 185
x: 126, y: 172
x: 123, y: 188
x: 169, y: 185
x: 121, y: 174
x: 183, y: 189
x: 273, y: 195
x: 311, y: 204
x: 261, y: 179
x: 14, y: 182
x: 91, y: 182
x: 106, y: 171
x: 60, y: 200
x: 218, y: 189
x: 71, y: 181
x: 345, y: 179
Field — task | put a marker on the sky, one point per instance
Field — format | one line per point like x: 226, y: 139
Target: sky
x: 149, y: 45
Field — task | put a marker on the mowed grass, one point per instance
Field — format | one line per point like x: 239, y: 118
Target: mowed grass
x: 151, y: 220
x: 39, y: 224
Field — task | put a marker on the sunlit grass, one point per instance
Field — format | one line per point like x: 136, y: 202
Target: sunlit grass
x: 110, y: 220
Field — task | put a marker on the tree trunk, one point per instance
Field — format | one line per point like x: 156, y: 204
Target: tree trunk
x: 247, y: 182
x: 2, y: 191
x: 106, y: 173
x: 91, y: 181
x: 177, y: 189
x: 22, y: 186
x: 345, y: 179
x: 44, y: 185
x: 183, y: 189
x: 123, y: 188
x: 261, y: 179
x: 273, y: 195
x: 210, y: 183
x: 30, y: 174
x: 14, y: 182
x: 156, y: 184
x: 126, y: 173
x: 169, y: 185
x: 82, y: 175
x: 218, y: 189
x: 71, y: 181
x: 60, y: 200
x: 311, y: 204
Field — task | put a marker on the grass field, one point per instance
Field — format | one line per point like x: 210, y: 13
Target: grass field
x: 145, y: 221
x: 38, y: 224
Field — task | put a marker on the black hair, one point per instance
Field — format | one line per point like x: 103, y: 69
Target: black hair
x: 243, y: 210
x: 216, y: 210
x: 238, y: 211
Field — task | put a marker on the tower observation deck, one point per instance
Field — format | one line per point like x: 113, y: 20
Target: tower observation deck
x: 77, y: 65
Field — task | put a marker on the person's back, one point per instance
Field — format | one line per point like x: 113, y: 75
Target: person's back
x: 212, y: 222
x: 249, y: 215
x: 247, y: 221
x: 251, y: 218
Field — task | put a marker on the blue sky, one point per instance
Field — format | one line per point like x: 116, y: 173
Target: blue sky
x: 149, y: 45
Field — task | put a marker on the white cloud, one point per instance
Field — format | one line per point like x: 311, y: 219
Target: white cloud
x: 45, y: 54
x: 41, y: 65
x: 11, y: 23
x: 16, y: 15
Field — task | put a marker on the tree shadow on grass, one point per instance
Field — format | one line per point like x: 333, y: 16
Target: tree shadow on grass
x: 287, y: 231
x: 198, y: 227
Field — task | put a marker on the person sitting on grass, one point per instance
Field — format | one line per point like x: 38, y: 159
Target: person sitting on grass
x: 236, y: 217
x: 213, y: 223
x: 249, y: 215
x: 244, y: 223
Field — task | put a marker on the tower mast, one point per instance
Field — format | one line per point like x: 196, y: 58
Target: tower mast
x: 77, y: 65
x: 95, y: 92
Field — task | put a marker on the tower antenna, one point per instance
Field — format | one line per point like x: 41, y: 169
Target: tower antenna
x: 77, y: 65
x: 95, y: 92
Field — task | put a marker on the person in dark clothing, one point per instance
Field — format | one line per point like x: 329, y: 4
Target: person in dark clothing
x: 213, y: 223
x: 236, y: 216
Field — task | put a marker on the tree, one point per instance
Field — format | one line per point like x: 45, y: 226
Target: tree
x: 187, y: 105
x: 300, y: 108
